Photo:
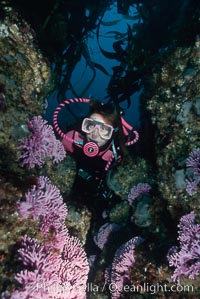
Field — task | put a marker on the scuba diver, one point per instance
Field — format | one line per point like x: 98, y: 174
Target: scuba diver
x: 97, y: 144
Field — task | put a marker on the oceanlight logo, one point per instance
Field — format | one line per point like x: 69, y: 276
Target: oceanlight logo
x: 151, y: 288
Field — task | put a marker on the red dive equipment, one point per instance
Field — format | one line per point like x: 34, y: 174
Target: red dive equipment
x: 91, y: 149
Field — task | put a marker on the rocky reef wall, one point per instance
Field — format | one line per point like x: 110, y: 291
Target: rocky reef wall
x: 172, y: 97
x: 25, y: 81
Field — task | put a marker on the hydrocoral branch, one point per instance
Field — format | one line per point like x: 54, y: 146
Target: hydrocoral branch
x: 43, y: 199
x: 40, y: 145
x: 57, y: 267
x: 118, y: 273
x: 186, y: 257
x: 193, y: 162
x: 138, y: 190
x: 102, y: 236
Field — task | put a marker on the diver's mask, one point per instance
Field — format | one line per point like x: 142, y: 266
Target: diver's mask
x: 96, y: 128
x: 89, y: 125
x: 91, y: 149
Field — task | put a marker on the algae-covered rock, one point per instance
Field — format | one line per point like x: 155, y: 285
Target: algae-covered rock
x: 120, y: 213
x: 173, y: 104
x: 12, y: 227
x: 129, y: 173
x: 78, y: 221
x: 25, y: 81
x: 62, y: 174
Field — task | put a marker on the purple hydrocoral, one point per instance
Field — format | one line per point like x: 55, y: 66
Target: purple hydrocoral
x: 104, y: 233
x: 191, y: 186
x: 49, y: 273
x: 138, y: 190
x: 118, y: 274
x: 43, y: 198
x: 40, y: 145
x: 186, y: 259
x: 193, y: 162
x: 57, y: 267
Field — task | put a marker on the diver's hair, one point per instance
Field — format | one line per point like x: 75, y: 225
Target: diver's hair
x: 108, y: 111
x: 111, y: 113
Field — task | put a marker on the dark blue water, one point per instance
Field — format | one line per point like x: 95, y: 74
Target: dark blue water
x: 113, y: 24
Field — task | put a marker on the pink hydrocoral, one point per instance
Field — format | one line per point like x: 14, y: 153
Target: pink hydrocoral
x: 138, y: 190
x: 186, y: 259
x: 193, y: 162
x: 52, y: 274
x: 40, y: 145
x: 104, y: 233
x: 57, y: 267
x: 42, y: 199
x: 118, y: 273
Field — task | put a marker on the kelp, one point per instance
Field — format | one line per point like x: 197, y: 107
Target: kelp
x: 62, y: 28
x: 115, y: 34
x: 160, y: 24
x: 110, y: 23
x: 125, y: 79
